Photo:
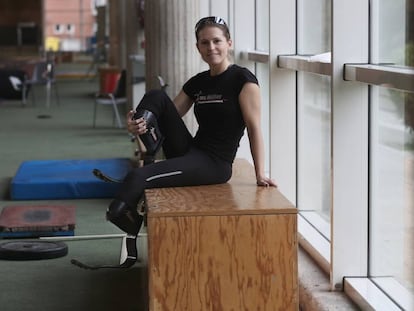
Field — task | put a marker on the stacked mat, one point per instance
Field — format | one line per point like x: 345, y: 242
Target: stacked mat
x: 37, y: 221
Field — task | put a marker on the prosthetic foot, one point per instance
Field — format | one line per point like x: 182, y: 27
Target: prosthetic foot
x: 153, y: 138
x: 128, y: 220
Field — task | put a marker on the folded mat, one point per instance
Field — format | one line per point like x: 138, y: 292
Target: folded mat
x: 37, y: 220
x: 67, y: 179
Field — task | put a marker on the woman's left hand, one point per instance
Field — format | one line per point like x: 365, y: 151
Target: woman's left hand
x: 136, y: 126
x: 265, y: 182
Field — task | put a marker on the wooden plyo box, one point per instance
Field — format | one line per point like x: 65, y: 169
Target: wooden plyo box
x: 222, y: 247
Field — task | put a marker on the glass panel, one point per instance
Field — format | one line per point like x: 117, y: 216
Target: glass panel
x: 262, y: 25
x: 262, y: 70
x: 262, y: 73
x: 314, y: 144
x: 314, y: 26
x: 393, y: 32
x: 392, y: 186
x: 392, y: 147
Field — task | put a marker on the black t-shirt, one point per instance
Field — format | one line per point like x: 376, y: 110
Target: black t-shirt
x: 217, y: 110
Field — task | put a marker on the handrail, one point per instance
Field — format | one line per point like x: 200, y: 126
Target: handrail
x: 400, y: 78
x: 304, y: 63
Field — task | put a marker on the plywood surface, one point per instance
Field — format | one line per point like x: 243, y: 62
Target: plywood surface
x: 223, y: 263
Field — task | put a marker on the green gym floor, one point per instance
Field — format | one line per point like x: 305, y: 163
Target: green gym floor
x: 66, y: 133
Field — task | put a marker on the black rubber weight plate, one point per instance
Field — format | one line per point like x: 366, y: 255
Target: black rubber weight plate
x: 32, y: 250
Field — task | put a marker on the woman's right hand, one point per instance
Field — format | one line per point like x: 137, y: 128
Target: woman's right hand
x: 136, y: 127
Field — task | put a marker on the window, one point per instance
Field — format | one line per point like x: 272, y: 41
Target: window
x: 353, y: 107
x: 314, y: 113
x: 70, y: 29
x: 314, y: 26
x: 262, y: 69
x: 392, y: 187
x: 58, y: 29
x: 392, y: 151
x: 314, y: 151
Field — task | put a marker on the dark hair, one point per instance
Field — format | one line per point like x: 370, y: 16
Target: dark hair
x: 212, y: 21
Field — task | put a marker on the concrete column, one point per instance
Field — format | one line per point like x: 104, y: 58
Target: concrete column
x: 125, y: 31
x: 113, y: 53
x: 134, y: 32
x: 170, y: 49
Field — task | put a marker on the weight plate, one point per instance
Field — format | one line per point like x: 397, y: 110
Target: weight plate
x: 32, y: 250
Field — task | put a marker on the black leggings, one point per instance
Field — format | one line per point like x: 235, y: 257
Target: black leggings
x: 185, y: 164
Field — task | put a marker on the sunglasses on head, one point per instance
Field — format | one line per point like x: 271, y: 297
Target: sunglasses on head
x: 210, y: 20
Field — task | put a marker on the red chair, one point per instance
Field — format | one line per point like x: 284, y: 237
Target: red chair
x: 112, y: 92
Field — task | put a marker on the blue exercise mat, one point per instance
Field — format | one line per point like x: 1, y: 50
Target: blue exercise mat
x: 67, y: 179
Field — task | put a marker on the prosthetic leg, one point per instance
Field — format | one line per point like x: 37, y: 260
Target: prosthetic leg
x: 153, y: 138
x: 129, y: 220
x: 126, y: 217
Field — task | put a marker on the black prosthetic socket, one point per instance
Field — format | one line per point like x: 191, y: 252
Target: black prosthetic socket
x: 153, y: 138
x: 124, y: 217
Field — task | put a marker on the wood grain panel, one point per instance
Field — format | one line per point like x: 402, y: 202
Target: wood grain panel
x: 241, y: 262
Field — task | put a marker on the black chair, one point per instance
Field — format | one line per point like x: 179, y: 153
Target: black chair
x: 43, y: 74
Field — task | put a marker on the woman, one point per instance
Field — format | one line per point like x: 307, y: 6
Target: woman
x: 226, y: 100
